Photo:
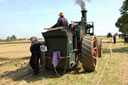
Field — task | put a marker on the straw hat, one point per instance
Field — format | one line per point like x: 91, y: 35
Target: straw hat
x: 61, y: 14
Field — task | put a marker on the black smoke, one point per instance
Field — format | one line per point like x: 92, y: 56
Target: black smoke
x: 81, y: 3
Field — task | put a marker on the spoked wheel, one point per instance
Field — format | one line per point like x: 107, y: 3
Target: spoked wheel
x: 95, y: 51
x: 99, y: 48
x: 89, y: 53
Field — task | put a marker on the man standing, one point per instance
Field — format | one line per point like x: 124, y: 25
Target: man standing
x: 35, y: 55
x: 62, y: 21
x: 114, y: 38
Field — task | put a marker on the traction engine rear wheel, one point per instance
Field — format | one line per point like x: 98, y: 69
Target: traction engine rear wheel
x: 89, y: 53
x: 100, y: 47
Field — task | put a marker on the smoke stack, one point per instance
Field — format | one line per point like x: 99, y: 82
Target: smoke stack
x: 84, y: 18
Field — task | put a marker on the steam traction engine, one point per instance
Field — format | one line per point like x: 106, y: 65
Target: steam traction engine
x: 75, y: 44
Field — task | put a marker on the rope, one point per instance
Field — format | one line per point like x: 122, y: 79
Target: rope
x: 106, y: 65
x: 64, y: 69
x: 56, y: 72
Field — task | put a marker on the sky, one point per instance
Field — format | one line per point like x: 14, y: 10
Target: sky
x: 26, y: 18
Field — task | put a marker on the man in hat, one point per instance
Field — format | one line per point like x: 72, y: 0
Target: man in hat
x: 35, y: 55
x: 62, y: 21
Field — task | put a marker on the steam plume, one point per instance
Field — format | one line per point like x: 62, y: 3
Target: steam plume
x: 81, y: 3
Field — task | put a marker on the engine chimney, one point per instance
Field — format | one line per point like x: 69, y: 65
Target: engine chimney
x: 84, y: 18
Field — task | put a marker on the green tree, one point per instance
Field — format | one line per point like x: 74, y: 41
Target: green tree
x: 8, y: 38
x: 122, y: 22
x: 13, y: 37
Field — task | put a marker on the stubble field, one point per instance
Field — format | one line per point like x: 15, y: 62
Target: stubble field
x: 112, y: 67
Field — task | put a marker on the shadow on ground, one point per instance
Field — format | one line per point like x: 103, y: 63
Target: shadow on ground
x: 116, y: 50
x: 4, y: 59
x: 25, y: 73
x: 121, y: 50
x: 112, y: 42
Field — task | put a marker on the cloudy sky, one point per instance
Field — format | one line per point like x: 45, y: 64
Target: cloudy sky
x: 26, y: 18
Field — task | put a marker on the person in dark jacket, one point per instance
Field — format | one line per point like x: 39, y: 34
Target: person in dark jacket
x: 35, y: 55
x: 62, y: 21
x: 114, y: 38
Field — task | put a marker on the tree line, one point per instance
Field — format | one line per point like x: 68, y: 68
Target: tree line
x: 122, y: 22
x: 13, y: 37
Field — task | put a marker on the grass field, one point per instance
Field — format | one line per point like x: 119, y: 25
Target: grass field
x: 112, y: 67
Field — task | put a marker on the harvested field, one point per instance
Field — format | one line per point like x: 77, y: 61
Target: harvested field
x: 10, y: 52
x: 112, y: 68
